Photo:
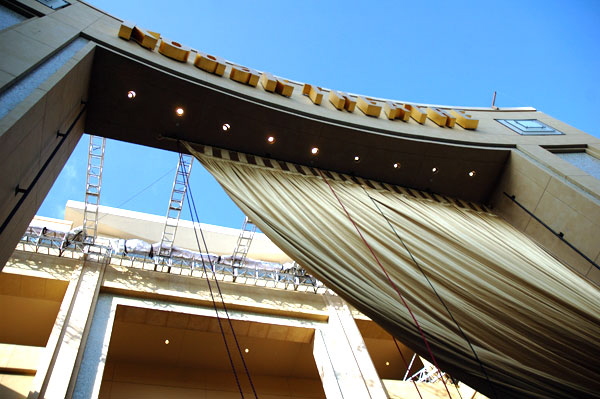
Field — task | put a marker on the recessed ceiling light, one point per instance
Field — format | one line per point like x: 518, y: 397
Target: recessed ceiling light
x: 271, y: 139
x: 314, y: 150
x: 434, y: 169
x: 472, y: 173
x: 387, y: 363
x: 131, y: 94
x: 166, y: 342
x: 397, y: 165
x: 226, y: 127
x: 179, y: 111
x: 246, y: 350
x: 356, y: 159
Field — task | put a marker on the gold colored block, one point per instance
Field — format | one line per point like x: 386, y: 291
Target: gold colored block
x: 126, y: 29
x: 244, y: 75
x: 391, y: 110
x: 174, y: 50
x: 145, y: 38
x: 314, y: 93
x: 210, y: 63
x: 436, y: 116
x: 441, y: 117
x: 306, y: 89
x: 349, y: 103
x: 395, y: 111
x: 464, y: 120
x: 284, y: 87
x: 403, y: 113
x: 279, y: 86
x: 451, y: 121
x: 239, y: 75
x: 369, y: 106
x: 268, y: 81
x: 337, y: 100
x: 253, y: 81
x: 416, y: 113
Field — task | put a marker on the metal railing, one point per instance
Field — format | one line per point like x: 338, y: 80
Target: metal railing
x: 67, y: 245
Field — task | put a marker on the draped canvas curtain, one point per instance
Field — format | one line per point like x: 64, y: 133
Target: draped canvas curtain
x: 496, y: 310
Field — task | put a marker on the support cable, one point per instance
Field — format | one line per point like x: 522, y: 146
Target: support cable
x: 212, y: 296
x: 464, y: 335
x: 408, y: 366
x: 389, y: 279
x: 135, y: 195
x: 196, y: 219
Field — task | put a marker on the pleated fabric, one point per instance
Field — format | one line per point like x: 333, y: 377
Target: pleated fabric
x: 497, y: 311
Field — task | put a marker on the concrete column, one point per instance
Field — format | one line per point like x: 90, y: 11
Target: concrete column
x: 344, y: 364
x: 56, y: 335
x: 331, y: 383
x: 68, y: 337
x: 89, y: 379
x: 44, y: 75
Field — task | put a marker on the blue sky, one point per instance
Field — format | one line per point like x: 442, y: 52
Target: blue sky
x: 543, y: 54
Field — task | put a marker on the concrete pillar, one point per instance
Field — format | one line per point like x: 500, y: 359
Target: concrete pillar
x: 58, y: 369
x: 342, y: 359
x: 89, y: 378
x: 331, y: 383
x: 44, y: 76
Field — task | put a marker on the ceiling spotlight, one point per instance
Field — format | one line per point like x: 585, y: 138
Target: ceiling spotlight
x: 356, y: 159
x: 246, y: 350
x: 314, y: 150
x: 226, y: 127
x: 434, y: 169
x: 166, y: 342
x: 471, y: 173
x: 179, y: 111
x: 271, y: 139
x: 387, y: 363
x: 397, y: 165
x: 131, y: 94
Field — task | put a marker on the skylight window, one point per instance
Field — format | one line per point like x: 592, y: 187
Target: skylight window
x: 528, y: 127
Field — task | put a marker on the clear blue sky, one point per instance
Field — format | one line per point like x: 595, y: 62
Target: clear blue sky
x: 543, y: 54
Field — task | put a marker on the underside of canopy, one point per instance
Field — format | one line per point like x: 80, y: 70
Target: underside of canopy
x: 453, y: 281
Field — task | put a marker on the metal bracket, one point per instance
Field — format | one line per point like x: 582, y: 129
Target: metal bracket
x: 19, y: 190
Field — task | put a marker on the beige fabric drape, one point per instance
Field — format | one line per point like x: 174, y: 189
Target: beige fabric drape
x: 533, y: 323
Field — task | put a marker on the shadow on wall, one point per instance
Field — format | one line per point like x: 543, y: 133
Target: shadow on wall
x: 8, y: 393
